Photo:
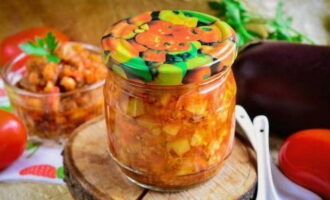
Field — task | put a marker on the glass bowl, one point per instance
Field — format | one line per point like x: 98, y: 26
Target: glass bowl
x: 52, y: 116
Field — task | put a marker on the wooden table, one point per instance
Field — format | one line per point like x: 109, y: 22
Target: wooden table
x: 86, y: 20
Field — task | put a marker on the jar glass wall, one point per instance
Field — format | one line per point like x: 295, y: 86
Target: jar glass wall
x: 170, y: 137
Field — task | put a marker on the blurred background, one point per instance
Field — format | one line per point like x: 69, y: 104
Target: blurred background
x: 86, y: 20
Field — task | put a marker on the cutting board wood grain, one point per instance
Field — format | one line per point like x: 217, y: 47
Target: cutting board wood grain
x: 91, y: 174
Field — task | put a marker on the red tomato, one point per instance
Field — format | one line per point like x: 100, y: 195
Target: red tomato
x: 12, y: 138
x: 9, y: 47
x: 305, y: 158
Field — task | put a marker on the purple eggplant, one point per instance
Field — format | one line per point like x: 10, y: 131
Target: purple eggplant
x: 287, y: 82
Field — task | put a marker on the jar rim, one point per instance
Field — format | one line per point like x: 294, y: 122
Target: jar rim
x: 136, y: 84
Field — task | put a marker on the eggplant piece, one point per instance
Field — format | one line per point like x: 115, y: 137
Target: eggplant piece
x: 287, y: 82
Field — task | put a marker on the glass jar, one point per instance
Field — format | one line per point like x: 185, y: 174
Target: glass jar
x: 170, y: 97
x: 52, y: 116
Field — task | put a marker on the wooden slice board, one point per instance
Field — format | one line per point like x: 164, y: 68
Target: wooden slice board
x: 91, y: 174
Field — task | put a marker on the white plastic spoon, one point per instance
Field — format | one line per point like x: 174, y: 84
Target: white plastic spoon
x: 246, y: 125
x: 285, y: 188
x: 266, y: 188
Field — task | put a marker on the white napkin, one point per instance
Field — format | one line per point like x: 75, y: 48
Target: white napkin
x: 39, y: 163
x: 4, y: 101
x: 290, y: 191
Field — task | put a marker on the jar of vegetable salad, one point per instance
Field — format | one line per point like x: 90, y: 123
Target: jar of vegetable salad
x: 170, y: 97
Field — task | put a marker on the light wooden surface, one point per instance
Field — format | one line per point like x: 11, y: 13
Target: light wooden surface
x: 33, y: 191
x: 90, y: 171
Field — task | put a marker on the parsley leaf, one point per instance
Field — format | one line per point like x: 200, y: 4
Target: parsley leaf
x: 40, y: 42
x: 31, y: 48
x: 51, y: 42
x: 53, y: 58
x: 42, y: 47
x: 237, y: 16
x: 282, y: 29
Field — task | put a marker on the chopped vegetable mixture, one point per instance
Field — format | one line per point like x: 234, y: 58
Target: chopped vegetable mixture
x: 66, y: 81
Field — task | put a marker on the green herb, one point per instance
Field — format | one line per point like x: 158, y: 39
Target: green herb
x: 236, y: 15
x: 29, y: 145
x: 33, y: 147
x: 42, y: 47
x: 282, y: 30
